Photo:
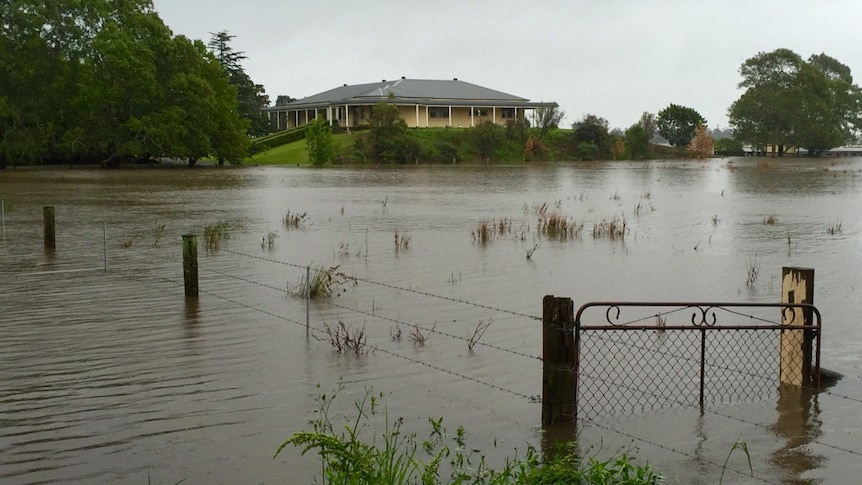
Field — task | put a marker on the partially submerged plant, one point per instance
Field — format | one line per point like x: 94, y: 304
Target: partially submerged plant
x: 418, y: 337
x: 268, y: 241
x: 559, y: 227
x: 770, y: 220
x: 214, y: 234
x: 402, y: 241
x: 353, y: 450
x: 752, y: 269
x: 613, y: 229
x: 158, y: 232
x: 294, y: 220
x: 324, y: 282
x: 834, y: 229
x: 343, y: 338
x: 478, y: 332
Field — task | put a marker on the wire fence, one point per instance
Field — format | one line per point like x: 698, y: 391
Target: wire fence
x: 613, y: 357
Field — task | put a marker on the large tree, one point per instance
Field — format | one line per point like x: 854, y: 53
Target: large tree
x: 677, y: 124
x: 102, y: 80
x: 251, y: 97
x: 788, y: 101
x: 590, y: 138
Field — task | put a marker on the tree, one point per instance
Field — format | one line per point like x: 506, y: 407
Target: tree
x: 702, y: 145
x: 637, y: 142
x: 677, y: 124
x: 251, y: 97
x: 387, y: 128
x: 283, y: 100
x: 792, y: 102
x: 590, y: 138
x: 101, y: 81
x: 486, y: 137
x: 547, y: 118
x: 318, y: 143
x: 649, y: 124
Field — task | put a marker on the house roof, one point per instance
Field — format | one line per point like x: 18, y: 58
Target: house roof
x: 411, y: 91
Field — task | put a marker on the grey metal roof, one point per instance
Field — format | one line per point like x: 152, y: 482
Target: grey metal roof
x: 411, y: 91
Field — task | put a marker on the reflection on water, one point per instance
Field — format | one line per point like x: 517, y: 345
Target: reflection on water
x: 798, y: 425
x: 111, y: 376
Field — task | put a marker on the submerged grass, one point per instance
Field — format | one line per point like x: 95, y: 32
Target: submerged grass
x: 323, y: 283
x: 214, y: 234
x: 395, y: 457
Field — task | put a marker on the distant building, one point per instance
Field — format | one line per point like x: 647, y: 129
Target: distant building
x: 422, y: 103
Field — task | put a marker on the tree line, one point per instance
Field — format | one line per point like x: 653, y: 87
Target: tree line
x: 100, y: 81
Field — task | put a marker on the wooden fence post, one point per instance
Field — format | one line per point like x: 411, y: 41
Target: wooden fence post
x: 190, y: 264
x: 559, y: 362
x: 48, y: 218
x: 797, y: 286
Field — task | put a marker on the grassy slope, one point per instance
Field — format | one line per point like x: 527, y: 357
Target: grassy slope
x: 295, y: 153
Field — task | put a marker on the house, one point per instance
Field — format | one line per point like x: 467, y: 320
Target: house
x: 423, y: 103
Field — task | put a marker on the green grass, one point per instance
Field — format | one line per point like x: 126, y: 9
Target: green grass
x: 351, y: 453
x: 295, y: 153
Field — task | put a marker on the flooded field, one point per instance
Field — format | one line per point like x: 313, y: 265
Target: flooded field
x: 108, y: 374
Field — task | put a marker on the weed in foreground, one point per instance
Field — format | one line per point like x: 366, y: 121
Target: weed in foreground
x: 402, y: 241
x: 834, y: 229
x: 348, y: 456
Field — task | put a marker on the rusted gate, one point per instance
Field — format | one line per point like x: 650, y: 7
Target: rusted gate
x: 633, y: 357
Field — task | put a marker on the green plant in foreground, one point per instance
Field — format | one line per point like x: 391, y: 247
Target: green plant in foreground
x: 395, y: 457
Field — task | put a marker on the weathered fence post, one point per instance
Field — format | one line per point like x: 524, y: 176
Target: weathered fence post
x: 307, y: 300
x: 105, y: 243
x: 3, y: 215
x: 559, y: 362
x: 48, y: 217
x: 797, y: 286
x: 190, y: 264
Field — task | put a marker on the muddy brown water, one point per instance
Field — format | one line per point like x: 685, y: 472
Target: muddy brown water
x: 114, y: 377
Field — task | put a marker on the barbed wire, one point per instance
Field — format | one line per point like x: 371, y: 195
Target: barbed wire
x: 674, y: 450
x: 391, y: 286
x: 434, y: 330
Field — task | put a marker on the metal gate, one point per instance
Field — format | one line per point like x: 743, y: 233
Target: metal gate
x: 633, y: 357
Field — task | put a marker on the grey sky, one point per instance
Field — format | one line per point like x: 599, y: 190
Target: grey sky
x: 612, y: 58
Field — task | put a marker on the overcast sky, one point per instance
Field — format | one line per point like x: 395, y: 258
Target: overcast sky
x: 612, y: 58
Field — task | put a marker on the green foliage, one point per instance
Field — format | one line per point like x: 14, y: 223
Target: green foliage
x: 98, y: 81
x: 547, y: 118
x: 789, y: 101
x: 318, y: 142
x: 485, y: 138
x: 637, y: 143
x: 724, y: 145
x: 590, y: 137
x: 677, y: 124
x: 347, y: 457
x: 250, y: 96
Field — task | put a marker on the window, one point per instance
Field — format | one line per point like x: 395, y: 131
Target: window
x: 438, y: 112
x: 480, y: 112
x: 508, y: 113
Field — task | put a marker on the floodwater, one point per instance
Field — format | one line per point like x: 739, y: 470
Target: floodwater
x: 108, y: 374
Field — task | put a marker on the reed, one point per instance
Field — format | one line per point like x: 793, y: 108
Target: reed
x: 834, y: 229
x: 294, y: 220
x: 614, y: 229
x: 770, y: 220
x: 158, y: 232
x: 418, y: 337
x: 557, y: 226
x: 268, y: 240
x: 478, y: 331
x: 402, y: 241
x: 214, y: 234
x: 324, y: 283
x: 752, y: 270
